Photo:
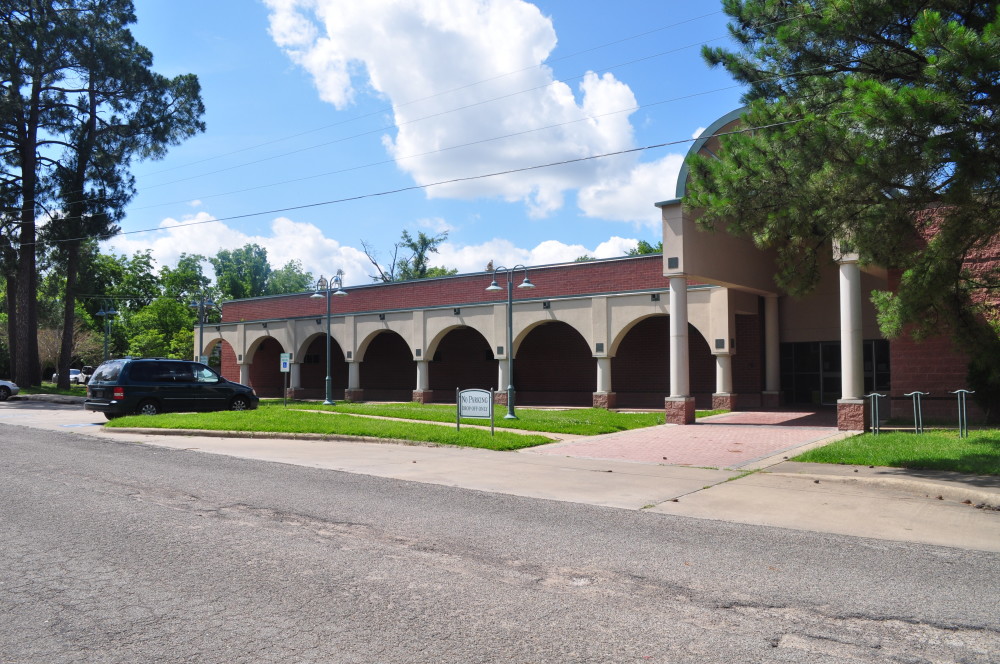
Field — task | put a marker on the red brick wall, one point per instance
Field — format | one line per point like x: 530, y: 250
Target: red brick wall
x: 230, y: 369
x: 932, y: 365
x: 748, y: 372
x: 640, y: 372
x: 388, y: 372
x: 266, y: 376
x: 554, y: 366
x: 313, y: 374
x: 606, y: 276
x: 463, y: 359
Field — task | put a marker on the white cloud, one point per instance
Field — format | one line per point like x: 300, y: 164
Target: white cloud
x: 321, y: 255
x: 195, y: 203
x: 631, y: 196
x: 697, y: 132
x: 410, y: 51
x: 287, y: 241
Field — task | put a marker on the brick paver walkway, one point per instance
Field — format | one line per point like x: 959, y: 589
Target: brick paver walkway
x: 723, y: 441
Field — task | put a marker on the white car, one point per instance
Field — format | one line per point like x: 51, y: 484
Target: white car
x: 7, y: 389
x: 76, y: 377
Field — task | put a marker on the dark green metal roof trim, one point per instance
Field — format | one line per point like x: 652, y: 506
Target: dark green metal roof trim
x: 698, y: 145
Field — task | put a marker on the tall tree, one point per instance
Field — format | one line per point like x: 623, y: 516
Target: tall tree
x: 81, y: 104
x: 643, y: 248
x: 876, y: 123
x: 414, y: 266
x: 242, y: 273
x: 187, y: 280
x: 289, y: 279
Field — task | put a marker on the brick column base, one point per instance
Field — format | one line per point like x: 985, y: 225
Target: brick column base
x: 723, y: 401
x: 605, y: 400
x: 770, y: 400
x: 500, y: 397
x: 356, y: 394
x: 680, y: 410
x: 423, y: 396
x: 851, y: 414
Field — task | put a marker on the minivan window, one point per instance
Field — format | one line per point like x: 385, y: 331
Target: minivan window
x: 108, y: 372
x: 145, y: 372
x: 203, y: 374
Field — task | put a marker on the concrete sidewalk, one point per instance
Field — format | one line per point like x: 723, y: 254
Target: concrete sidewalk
x: 882, y: 503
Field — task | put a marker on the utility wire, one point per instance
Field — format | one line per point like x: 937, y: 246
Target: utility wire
x: 468, y: 106
x: 435, y: 95
x: 399, y: 190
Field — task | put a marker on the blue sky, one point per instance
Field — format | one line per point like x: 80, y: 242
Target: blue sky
x: 311, y: 101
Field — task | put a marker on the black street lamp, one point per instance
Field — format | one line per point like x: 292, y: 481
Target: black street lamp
x: 324, y: 285
x: 106, y: 315
x: 493, y: 287
x: 201, y: 304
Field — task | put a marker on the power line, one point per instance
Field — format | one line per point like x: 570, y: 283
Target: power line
x: 399, y: 190
x: 386, y: 109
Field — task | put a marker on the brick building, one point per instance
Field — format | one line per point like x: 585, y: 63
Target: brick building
x: 702, y: 325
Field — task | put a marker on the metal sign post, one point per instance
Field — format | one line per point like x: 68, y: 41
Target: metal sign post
x: 286, y: 367
x: 475, y: 404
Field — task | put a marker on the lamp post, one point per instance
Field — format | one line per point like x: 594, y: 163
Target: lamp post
x: 106, y: 315
x: 493, y: 287
x: 325, y: 285
x: 200, y: 305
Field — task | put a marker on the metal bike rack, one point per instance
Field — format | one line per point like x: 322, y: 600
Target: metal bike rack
x: 918, y: 412
x: 874, y: 396
x: 963, y: 417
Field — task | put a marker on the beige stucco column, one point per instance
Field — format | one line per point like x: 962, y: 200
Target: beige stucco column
x: 500, y: 395
x: 680, y: 404
x: 603, y: 396
x: 422, y: 394
x: 723, y: 398
x: 851, y: 406
x: 245, y: 374
x: 353, y: 391
x: 295, y: 376
x: 772, y: 354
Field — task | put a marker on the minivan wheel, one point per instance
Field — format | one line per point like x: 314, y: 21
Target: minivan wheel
x: 112, y: 416
x: 4, y: 393
x: 148, y: 408
x: 239, y: 403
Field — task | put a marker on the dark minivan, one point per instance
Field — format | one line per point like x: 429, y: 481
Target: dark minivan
x: 147, y: 386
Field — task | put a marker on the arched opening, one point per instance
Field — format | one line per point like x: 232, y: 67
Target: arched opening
x: 387, y: 372
x: 640, y: 370
x: 312, y: 376
x: 228, y: 367
x: 554, y: 367
x: 266, y: 377
x: 463, y: 359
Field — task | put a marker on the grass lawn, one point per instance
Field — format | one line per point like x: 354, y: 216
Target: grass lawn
x: 978, y: 454
x: 51, y: 388
x: 271, y: 419
x: 581, y: 421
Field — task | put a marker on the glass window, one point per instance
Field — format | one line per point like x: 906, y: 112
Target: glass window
x: 203, y: 374
x: 108, y: 372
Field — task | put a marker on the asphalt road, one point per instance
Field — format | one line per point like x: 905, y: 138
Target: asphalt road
x: 119, y: 552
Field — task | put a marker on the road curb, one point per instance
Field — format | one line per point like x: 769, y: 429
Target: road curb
x: 51, y: 398
x: 213, y: 433
x: 924, y: 488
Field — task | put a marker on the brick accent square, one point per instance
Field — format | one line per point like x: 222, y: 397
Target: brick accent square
x: 680, y: 410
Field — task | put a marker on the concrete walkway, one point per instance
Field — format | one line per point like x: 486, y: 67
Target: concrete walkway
x: 881, y: 503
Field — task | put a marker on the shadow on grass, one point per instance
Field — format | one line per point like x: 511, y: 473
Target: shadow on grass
x: 984, y: 467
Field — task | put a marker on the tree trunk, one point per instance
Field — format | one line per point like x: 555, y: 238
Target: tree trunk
x: 69, y: 313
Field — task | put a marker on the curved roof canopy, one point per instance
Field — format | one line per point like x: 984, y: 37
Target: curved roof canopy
x: 707, y: 143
